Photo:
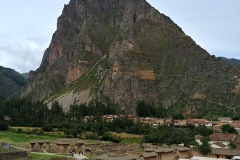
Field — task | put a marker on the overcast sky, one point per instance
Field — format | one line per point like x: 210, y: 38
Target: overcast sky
x: 26, y: 27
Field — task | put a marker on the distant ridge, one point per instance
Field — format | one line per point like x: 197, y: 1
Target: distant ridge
x: 25, y: 75
x: 10, y: 82
x: 233, y: 61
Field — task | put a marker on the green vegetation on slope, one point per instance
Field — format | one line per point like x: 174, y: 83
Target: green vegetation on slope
x: 10, y: 82
x: 12, y: 74
x: 19, y: 139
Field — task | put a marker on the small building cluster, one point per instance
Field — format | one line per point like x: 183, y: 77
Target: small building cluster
x: 68, y: 144
x: 155, y: 153
x: 64, y: 145
x: 40, y: 144
x: 220, y: 140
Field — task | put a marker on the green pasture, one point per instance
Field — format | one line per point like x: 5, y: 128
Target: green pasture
x: 37, y: 156
x: 19, y: 139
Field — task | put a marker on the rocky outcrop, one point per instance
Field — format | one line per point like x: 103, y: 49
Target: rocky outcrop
x: 125, y: 51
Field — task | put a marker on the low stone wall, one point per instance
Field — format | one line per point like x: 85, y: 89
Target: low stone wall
x: 20, y: 155
x: 63, y: 159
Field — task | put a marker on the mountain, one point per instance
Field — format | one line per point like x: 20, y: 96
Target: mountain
x: 233, y: 61
x: 10, y: 82
x: 25, y: 75
x: 123, y: 51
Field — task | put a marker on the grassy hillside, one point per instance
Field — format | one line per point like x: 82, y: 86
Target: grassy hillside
x: 10, y: 82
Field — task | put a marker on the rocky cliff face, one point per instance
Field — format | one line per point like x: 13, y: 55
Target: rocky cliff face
x: 124, y: 51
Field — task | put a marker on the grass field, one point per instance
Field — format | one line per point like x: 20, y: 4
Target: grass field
x: 19, y: 139
x: 126, y: 136
x: 25, y: 128
x: 36, y: 156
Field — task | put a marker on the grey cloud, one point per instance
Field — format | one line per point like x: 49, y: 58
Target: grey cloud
x: 39, y: 40
x: 22, y: 56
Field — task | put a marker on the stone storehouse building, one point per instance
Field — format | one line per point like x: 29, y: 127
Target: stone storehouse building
x: 184, y: 152
x: 40, y: 144
x: 149, y: 156
x: 166, y: 153
x: 65, y: 145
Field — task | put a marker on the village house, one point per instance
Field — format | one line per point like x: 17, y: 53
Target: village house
x: 7, y: 118
x: 146, y: 121
x: 237, y: 142
x: 225, y: 119
x: 155, y: 125
x: 217, y: 126
x: 221, y: 140
x: 224, y: 153
x: 235, y: 124
x: 202, y: 158
x: 68, y: 144
x: 180, y: 123
x: 198, y: 122
x: 109, y: 118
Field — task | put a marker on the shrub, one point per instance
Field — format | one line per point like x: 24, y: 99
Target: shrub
x: 47, y: 127
x: 107, y: 136
x: 91, y: 135
x: 3, y: 126
x: 19, y: 130
x: 226, y: 128
x: 205, y: 147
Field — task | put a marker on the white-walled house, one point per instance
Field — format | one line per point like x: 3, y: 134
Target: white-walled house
x: 221, y: 140
x: 217, y: 140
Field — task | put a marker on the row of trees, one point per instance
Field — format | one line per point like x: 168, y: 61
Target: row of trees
x: 24, y: 112
x: 146, y: 109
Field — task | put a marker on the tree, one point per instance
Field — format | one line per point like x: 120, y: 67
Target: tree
x: 3, y: 126
x: 226, y: 128
x: 205, y: 147
x: 178, y: 116
x: 204, y: 131
x: 145, y: 109
x: 231, y: 145
x: 47, y: 127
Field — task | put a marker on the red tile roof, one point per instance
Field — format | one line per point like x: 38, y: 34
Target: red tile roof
x: 227, y: 152
x: 222, y: 137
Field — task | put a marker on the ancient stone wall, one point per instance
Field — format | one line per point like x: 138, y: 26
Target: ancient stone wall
x: 21, y: 155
